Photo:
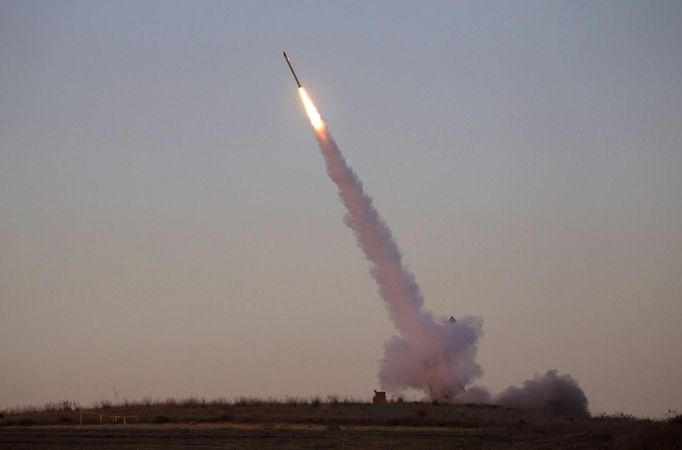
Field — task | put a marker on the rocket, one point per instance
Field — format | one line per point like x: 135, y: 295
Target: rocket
x: 286, y: 58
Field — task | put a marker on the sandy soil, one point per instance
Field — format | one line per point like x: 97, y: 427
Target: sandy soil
x: 284, y: 436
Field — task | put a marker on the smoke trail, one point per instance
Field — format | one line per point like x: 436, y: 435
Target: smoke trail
x: 436, y: 357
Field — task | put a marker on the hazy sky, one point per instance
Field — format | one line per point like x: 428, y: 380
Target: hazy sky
x: 167, y: 227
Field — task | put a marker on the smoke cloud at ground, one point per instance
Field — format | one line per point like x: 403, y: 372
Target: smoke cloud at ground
x: 552, y: 391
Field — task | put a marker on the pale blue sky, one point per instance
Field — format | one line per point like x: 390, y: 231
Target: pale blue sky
x: 167, y: 226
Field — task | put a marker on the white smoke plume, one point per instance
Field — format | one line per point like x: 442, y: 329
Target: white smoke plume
x: 435, y: 357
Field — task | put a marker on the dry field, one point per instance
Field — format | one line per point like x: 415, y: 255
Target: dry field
x: 294, y: 423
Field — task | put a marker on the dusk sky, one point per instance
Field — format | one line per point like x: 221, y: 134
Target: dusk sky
x: 167, y: 227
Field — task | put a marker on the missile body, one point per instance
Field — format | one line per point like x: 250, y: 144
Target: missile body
x: 286, y: 58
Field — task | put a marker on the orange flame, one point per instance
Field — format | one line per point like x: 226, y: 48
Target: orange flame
x: 311, y: 110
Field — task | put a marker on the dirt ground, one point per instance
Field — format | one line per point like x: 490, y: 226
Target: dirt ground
x: 255, y: 424
x: 283, y: 436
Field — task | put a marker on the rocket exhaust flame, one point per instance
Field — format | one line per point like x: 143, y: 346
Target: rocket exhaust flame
x: 311, y: 110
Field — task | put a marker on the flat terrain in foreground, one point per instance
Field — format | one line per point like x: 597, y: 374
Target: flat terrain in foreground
x: 284, y: 436
x: 277, y: 425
